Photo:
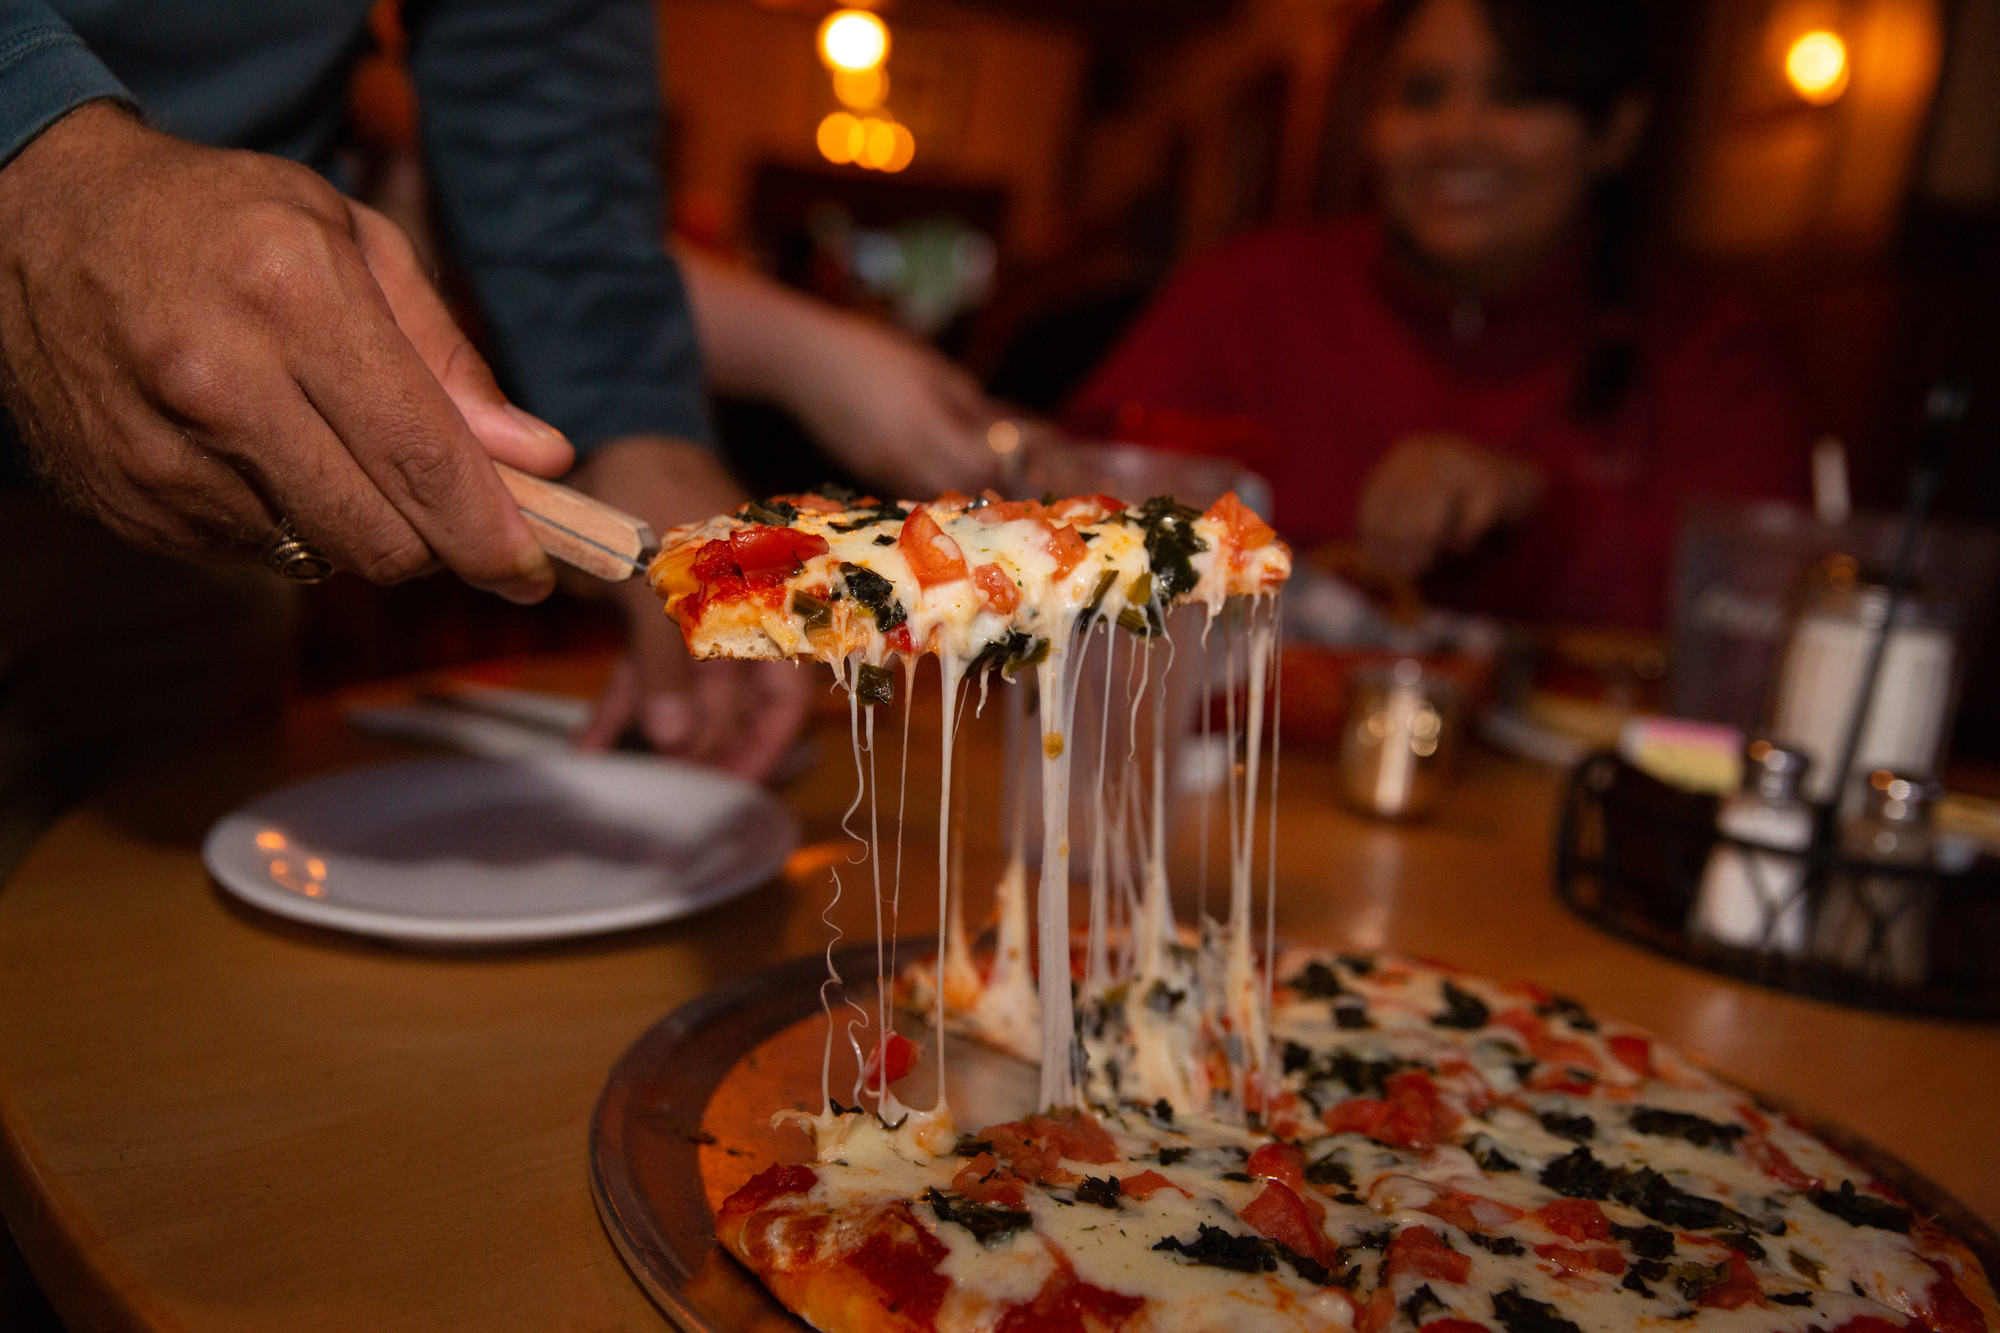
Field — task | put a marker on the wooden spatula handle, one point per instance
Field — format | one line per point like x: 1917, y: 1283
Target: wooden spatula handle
x: 601, y: 541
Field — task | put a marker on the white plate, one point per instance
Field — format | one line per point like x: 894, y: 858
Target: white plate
x: 477, y: 851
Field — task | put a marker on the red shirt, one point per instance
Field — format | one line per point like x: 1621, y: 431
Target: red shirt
x: 1337, y: 352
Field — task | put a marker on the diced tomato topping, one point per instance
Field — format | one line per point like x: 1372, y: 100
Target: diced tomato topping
x: 1542, y: 1044
x: 1578, y: 1219
x: 1868, y: 1323
x: 1380, y: 1313
x: 773, y: 1182
x: 1086, y: 508
x: 1946, y: 1307
x: 1411, y: 1116
x: 900, y: 1260
x: 714, y: 561
x: 933, y: 557
x: 1066, y: 546
x: 894, y: 1056
x: 1603, y: 1259
x: 1635, y: 1053
x: 998, y: 590
x: 1066, y: 1304
x: 768, y: 554
x: 1282, y: 1215
x: 1279, y: 1161
x: 1468, y: 1212
x: 814, y: 503
x: 1739, y: 1288
x: 1455, y: 1325
x: 983, y: 1180
x: 998, y: 511
x: 953, y: 500
x: 1246, y: 530
x: 1146, y: 1184
x: 1035, y: 1146
x: 899, y: 640
x: 1422, y: 1252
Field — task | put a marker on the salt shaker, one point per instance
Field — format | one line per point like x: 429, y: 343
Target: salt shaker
x: 1756, y: 899
x: 1880, y: 925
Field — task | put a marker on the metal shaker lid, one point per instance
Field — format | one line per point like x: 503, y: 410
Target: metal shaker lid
x: 1773, y: 771
x: 1897, y: 798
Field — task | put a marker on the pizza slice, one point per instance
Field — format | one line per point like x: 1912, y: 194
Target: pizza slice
x: 829, y: 577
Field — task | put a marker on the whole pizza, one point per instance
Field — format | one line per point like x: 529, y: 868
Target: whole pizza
x: 1235, y: 1135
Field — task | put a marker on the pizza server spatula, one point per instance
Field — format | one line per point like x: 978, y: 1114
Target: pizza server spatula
x: 587, y: 534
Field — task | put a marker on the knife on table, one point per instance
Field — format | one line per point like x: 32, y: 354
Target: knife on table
x: 587, y: 534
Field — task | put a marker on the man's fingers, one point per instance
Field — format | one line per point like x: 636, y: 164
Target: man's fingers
x: 367, y: 382
x: 508, y: 433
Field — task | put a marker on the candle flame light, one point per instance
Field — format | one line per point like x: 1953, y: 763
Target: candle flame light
x: 1816, y: 65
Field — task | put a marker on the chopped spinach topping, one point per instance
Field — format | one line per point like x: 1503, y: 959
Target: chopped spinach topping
x: 1349, y: 1198
x: 1576, y: 1128
x: 987, y: 1223
x: 967, y: 1146
x: 1421, y: 1302
x: 1487, y: 1153
x: 1501, y: 1245
x: 1377, y: 1239
x: 1518, y: 1313
x: 1239, y: 1176
x: 1861, y: 1210
x: 1570, y: 1011
x: 1462, y: 1010
x: 1360, y: 964
x: 1633, y: 1282
x: 1580, y: 1175
x: 1329, y: 1170
x: 867, y: 516
x: 876, y: 593
x: 1359, y: 1075
x: 1351, y: 1016
x: 1163, y: 1113
x: 885, y: 539
x: 1693, y: 1279
x: 1296, y: 1057
x: 1742, y: 1242
x: 1682, y: 1125
x: 1170, y: 541
x: 834, y: 491
x: 772, y: 513
x: 813, y: 612
x: 1650, y: 1269
x: 1807, y: 1267
x: 1169, y: 1156
x: 1318, y: 981
x: 1646, y: 1242
x: 1099, y: 1190
x: 1214, y: 1247
x: 1104, y: 582
x: 1789, y: 1297
x: 875, y: 685
x: 1162, y: 998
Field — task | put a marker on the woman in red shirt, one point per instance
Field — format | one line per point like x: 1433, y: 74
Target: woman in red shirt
x: 1472, y: 382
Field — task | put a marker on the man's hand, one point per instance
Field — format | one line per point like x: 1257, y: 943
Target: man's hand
x: 884, y: 404
x: 1434, y: 495
x: 196, y: 343
x: 739, y: 716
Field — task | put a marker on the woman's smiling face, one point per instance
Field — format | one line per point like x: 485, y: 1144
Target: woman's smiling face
x: 1480, y: 178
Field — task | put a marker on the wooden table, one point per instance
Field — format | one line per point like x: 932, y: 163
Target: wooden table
x: 215, y: 1121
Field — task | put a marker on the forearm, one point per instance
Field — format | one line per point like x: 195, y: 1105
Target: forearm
x: 758, y: 338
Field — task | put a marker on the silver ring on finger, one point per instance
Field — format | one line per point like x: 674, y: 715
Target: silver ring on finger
x: 288, y: 555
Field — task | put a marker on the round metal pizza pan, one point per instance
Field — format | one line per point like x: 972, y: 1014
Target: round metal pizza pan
x: 682, y: 1117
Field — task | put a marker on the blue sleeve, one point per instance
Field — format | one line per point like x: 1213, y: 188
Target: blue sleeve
x: 46, y: 72
x: 540, y: 125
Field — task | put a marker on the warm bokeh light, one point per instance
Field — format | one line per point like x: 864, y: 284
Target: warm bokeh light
x: 271, y: 840
x: 1816, y: 64
x: 1003, y: 437
x: 865, y: 141
x: 853, y: 39
x: 861, y: 89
